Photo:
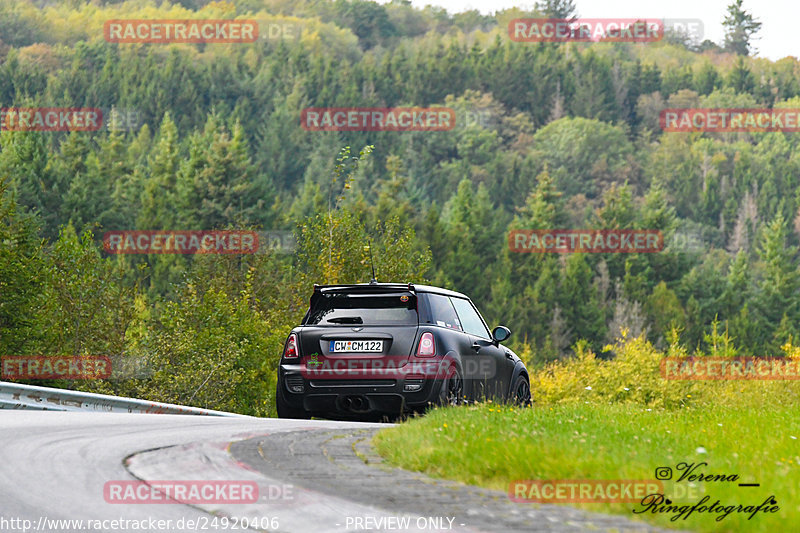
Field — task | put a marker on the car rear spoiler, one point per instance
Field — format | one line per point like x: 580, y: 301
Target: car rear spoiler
x: 366, y: 287
x: 356, y: 287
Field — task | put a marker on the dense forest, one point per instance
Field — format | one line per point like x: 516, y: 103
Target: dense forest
x: 547, y: 135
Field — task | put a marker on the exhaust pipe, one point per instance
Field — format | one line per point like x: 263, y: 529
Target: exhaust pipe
x: 354, y: 403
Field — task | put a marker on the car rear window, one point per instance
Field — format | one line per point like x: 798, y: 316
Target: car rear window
x: 348, y: 309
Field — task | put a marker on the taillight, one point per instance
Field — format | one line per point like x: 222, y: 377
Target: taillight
x: 426, y: 348
x: 290, y: 350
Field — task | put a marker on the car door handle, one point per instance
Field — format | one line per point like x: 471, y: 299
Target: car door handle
x: 476, y: 346
x: 509, y: 356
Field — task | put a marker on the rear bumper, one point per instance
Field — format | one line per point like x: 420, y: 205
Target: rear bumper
x: 359, y: 393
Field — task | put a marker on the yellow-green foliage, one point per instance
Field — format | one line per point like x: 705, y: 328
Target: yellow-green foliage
x: 633, y: 375
x: 67, y: 23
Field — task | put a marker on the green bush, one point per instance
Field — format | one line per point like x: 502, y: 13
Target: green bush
x: 633, y: 375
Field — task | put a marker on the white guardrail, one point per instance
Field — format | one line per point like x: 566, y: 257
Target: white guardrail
x: 18, y: 396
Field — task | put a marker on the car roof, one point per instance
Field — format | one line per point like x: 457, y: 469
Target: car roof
x: 380, y: 287
x: 439, y: 290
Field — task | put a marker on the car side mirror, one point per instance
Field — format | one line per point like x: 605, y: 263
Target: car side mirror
x: 500, y: 333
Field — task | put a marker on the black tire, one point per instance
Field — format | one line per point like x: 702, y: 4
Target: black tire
x: 521, y: 391
x: 286, y: 411
x: 452, y: 390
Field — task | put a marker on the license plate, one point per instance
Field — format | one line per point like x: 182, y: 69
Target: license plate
x: 356, y: 346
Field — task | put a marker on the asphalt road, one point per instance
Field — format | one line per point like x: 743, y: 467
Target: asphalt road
x: 276, y: 475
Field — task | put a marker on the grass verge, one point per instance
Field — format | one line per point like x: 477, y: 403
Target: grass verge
x: 492, y: 445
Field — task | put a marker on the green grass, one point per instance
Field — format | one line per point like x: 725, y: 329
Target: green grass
x: 492, y: 445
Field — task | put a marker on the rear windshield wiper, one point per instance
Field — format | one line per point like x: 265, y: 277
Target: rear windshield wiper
x: 346, y: 320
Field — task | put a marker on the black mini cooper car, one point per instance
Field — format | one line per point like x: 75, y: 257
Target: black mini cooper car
x: 384, y: 349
